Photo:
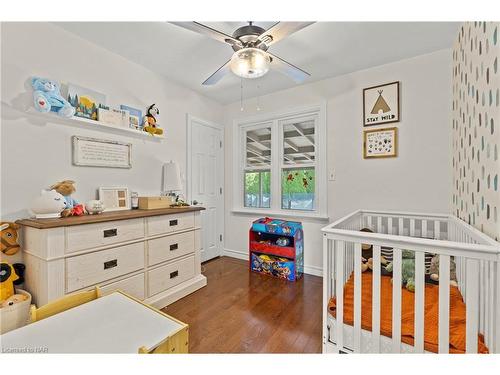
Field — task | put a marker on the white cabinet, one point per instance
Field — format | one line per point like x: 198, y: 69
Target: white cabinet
x: 155, y: 258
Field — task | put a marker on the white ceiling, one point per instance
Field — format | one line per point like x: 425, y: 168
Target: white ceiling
x: 324, y: 49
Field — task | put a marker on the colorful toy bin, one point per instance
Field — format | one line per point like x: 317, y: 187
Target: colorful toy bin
x: 277, y: 248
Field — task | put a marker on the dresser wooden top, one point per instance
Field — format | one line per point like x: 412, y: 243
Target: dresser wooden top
x: 103, y: 217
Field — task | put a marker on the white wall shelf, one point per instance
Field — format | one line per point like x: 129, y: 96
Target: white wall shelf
x: 99, y: 125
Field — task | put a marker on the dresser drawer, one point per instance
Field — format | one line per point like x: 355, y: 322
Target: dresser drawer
x: 169, y: 223
x: 88, y: 236
x: 170, y: 275
x: 93, y: 268
x: 133, y: 286
x: 170, y: 247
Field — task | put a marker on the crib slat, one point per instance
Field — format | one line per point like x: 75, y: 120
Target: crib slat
x: 389, y: 225
x: 376, y: 299
x: 444, y: 304
x: 412, y: 227
x: 357, y: 298
x: 370, y: 223
x: 326, y: 287
x: 472, y: 306
x: 396, y: 301
x: 496, y: 308
x: 379, y: 224
x: 401, y: 228
x: 419, y: 301
x: 437, y: 230
x: 424, y: 228
x: 339, y: 261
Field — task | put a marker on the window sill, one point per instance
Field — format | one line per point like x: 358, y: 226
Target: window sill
x: 269, y: 212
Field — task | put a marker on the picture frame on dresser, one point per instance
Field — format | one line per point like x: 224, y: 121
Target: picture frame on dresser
x: 115, y: 198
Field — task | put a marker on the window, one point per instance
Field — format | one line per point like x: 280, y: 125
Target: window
x: 257, y: 177
x: 280, y: 164
x: 298, y: 191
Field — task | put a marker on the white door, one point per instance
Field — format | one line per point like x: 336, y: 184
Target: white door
x: 206, y: 180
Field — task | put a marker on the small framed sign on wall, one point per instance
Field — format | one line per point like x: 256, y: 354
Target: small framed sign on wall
x: 91, y: 152
x: 380, y: 143
x: 381, y: 104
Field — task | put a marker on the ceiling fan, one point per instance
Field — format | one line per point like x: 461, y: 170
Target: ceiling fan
x: 250, y: 43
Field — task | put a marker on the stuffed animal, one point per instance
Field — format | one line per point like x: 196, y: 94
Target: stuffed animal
x: 7, y: 277
x: 434, y: 270
x: 13, y: 299
x: 407, y: 269
x: 47, y: 97
x: 48, y: 205
x: 66, y: 188
x: 8, y: 231
x: 150, y: 121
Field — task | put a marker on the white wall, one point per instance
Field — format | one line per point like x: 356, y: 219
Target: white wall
x: 36, y: 151
x: 419, y: 179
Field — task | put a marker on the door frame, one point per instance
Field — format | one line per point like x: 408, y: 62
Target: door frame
x: 189, y: 166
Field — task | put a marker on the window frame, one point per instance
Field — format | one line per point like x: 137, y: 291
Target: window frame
x: 276, y: 121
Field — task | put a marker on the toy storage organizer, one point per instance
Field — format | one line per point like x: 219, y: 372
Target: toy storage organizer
x: 477, y: 259
x: 276, y: 248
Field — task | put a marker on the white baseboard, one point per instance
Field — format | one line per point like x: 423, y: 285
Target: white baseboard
x: 310, y: 270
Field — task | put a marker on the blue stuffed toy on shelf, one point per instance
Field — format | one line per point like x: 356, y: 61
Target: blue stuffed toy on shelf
x: 47, y: 97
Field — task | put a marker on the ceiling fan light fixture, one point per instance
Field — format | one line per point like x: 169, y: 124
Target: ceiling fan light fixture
x: 250, y: 63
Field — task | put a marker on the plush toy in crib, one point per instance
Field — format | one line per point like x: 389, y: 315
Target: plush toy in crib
x: 407, y: 269
x: 47, y: 97
x: 66, y: 188
x: 434, y: 270
x: 8, y: 232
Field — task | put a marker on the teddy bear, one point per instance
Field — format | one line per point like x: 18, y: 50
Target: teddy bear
x: 434, y: 270
x: 47, y: 97
x: 13, y: 299
x: 407, y: 269
x: 66, y: 188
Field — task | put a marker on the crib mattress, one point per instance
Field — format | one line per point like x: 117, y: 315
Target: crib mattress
x: 431, y: 318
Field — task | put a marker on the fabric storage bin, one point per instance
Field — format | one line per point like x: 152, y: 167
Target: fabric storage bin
x: 15, y: 316
x: 282, y: 268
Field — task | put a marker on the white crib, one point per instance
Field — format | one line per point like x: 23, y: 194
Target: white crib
x: 477, y: 259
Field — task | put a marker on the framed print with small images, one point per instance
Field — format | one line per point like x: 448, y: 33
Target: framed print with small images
x: 380, y: 143
x: 381, y: 104
x: 115, y: 198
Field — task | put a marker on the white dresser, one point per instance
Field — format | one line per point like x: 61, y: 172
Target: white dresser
x: 153, y: 255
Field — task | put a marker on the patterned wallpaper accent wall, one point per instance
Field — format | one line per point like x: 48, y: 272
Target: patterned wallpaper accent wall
x: 476, y: 126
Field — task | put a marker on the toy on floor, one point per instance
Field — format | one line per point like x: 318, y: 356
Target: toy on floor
x: 7, y: 277
x: 407, y: 269
x: 434, y: 270
x: 9, y: 236
x: 47, y: 97
x: 66, y: 188
x: 151, y: 119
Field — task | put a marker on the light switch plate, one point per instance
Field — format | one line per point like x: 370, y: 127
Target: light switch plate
x: 331, y: 175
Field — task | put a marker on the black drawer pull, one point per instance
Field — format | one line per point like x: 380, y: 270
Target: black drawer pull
x: 110, y: 233
x: 173, y: 222
x: 175, y: 246
x: 110, y: 264
x: 174, y: 274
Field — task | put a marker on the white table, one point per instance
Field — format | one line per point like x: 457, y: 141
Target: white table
x: 114, y: 323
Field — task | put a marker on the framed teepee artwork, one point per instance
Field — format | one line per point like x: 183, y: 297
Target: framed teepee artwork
x: 381, y: 104
x: 380, y: 143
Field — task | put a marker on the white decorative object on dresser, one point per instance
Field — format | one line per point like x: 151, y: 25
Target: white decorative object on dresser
x: 153, y: 255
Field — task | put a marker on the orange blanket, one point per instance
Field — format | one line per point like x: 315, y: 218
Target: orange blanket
x: 457, y: 313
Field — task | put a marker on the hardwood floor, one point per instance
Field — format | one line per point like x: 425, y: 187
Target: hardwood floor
x: 244, y: 312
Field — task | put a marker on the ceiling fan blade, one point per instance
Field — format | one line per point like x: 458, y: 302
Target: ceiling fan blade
x: 281, y: 30
x: 297, y: 74
x: 210, y: 32
x: 217, y: 76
